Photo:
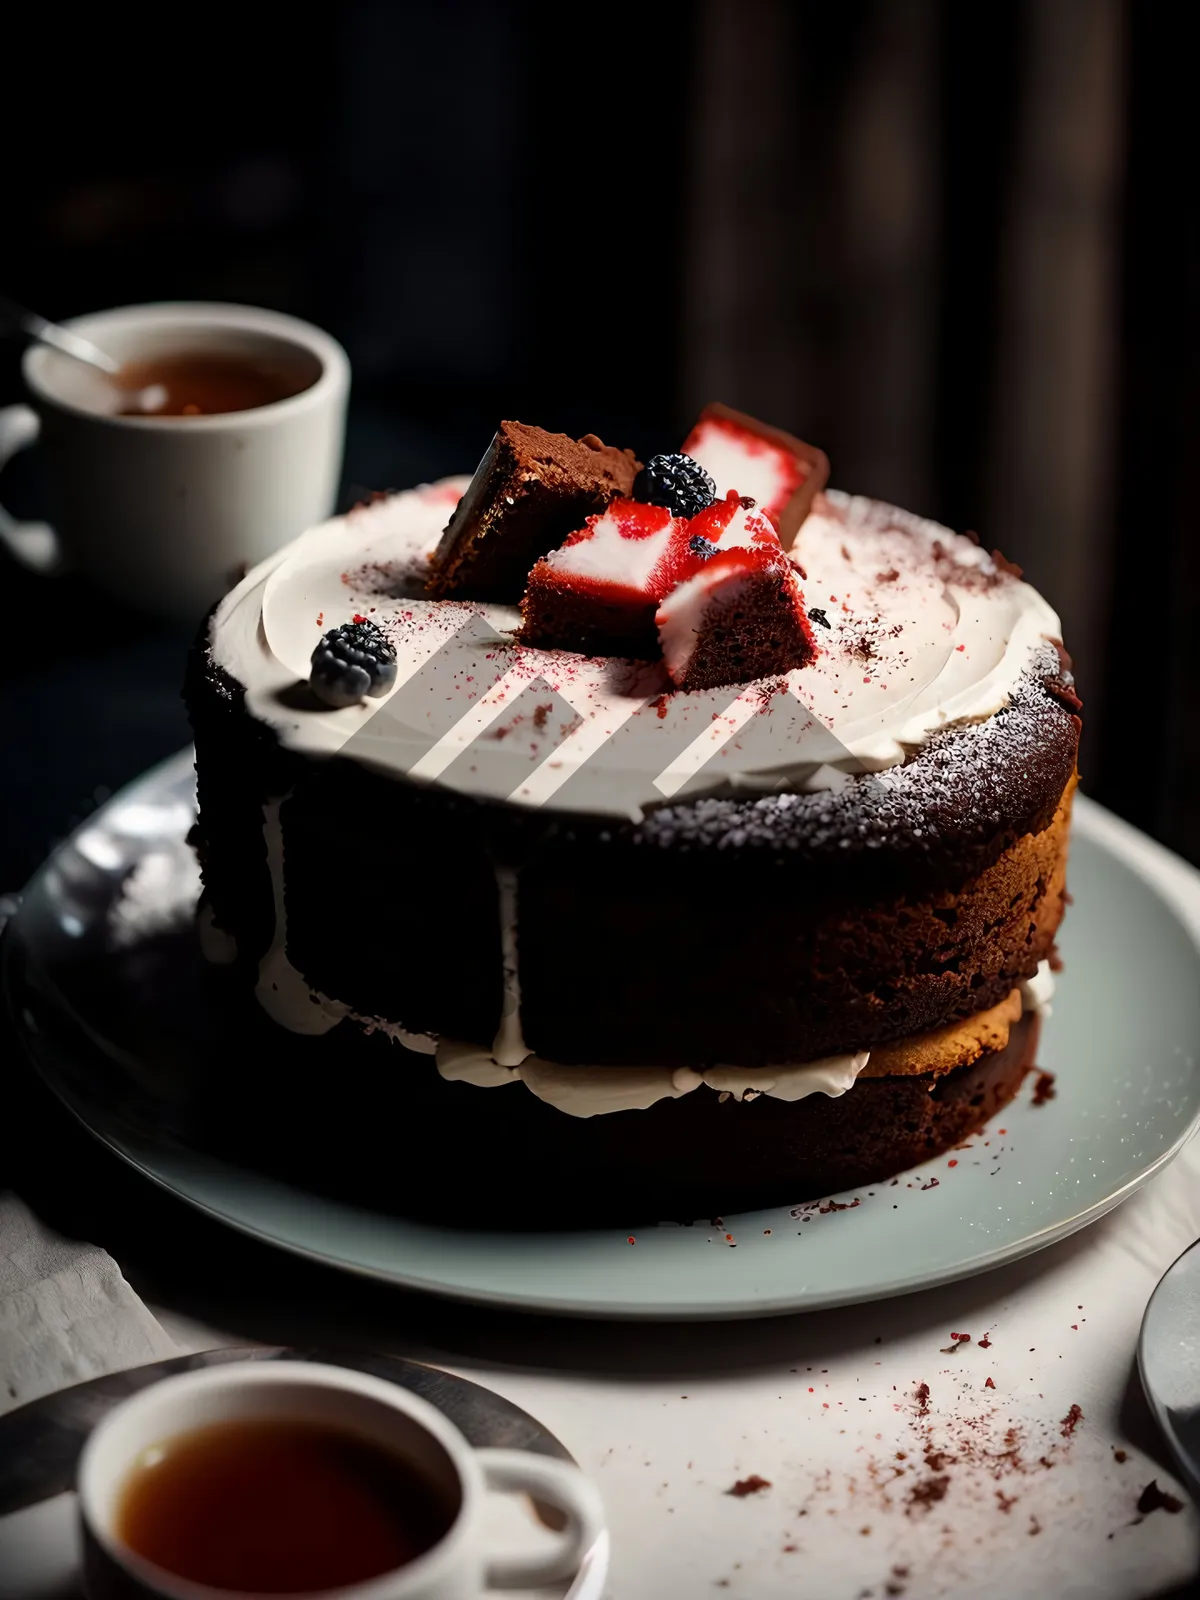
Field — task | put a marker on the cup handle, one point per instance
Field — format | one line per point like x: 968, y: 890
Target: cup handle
x: 34, y: 544
x: 560, y: 1485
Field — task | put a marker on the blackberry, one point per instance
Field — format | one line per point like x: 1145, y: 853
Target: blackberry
x: 676, y: 482
x: 700, y: 546
x: 352, y: 661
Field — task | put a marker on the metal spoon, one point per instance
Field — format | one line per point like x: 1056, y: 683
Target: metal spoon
x: 1169, y: 1361
x: 22, y: 320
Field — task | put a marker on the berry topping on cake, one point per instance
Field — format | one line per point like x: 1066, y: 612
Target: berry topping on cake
x: 731, y: 521
x: 741, y: 616
x: 677, y: 482
x: 597, y: 594
x: 777, y: 470
x: 351, y: 662
x: 528, y: 492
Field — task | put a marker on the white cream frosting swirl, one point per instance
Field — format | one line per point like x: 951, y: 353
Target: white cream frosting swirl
x: 924, y: 630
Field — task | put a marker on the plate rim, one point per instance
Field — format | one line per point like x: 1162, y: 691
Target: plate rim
x: 1107, y: 832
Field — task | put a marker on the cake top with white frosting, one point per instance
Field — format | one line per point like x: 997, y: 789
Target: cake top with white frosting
x: 919, y: 630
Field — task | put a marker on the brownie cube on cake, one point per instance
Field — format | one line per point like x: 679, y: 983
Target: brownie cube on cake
x: 530, y: 490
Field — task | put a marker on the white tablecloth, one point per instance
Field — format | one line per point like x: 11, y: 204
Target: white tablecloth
x: 1017, y: 1473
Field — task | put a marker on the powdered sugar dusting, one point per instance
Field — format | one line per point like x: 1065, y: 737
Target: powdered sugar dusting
x: 952, y: 784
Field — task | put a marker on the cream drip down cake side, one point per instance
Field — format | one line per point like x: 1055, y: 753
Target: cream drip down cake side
x: 705, y: 829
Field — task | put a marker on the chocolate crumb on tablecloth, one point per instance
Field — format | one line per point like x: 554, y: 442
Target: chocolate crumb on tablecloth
x: 751, y: 1485
x: 1120, y: 1456
x: 925, y: 1494
x: 1043, y: 1088
x: 1152, y: 1498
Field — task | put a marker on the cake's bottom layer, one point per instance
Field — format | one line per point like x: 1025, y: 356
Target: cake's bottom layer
x: 380, y: 1127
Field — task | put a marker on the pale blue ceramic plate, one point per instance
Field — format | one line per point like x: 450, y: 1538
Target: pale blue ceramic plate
x: 1123, y: 1043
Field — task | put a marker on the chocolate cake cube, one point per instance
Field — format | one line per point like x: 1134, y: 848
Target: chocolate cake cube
x: 530, y: 490
x: 779, y: 472
x: 740, y: 617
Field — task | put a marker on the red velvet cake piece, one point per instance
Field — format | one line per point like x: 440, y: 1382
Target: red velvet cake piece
x: 528, y: 492
x: 740, y: 616
x: 778, y: 471
x: 598, y: 592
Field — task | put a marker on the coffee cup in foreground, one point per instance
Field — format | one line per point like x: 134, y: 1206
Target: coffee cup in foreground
x: 166, y: 509
x: 302, y: 1479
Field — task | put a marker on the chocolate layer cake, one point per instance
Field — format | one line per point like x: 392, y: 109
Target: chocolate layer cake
x: 726, y: 948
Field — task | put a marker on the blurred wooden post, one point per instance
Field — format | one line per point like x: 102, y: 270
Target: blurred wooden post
x: 810, y: 294
x: 742, y: 340
x: 1052, y: 469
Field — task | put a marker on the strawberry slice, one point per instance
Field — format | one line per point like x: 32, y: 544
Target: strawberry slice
x: 779, y: 472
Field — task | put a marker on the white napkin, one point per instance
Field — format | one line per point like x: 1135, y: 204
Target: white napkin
x: 66, y: 1313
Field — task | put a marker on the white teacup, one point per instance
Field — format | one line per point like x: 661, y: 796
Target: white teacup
x: 167, y: 512
x: 457, y: 1567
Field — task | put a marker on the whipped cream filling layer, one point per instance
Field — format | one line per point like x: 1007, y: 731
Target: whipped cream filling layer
x: 1037, y: 992
x: 917, y: 628
x: 596, y: 1091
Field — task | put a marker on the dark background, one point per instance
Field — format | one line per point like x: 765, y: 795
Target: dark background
x: 956, y: 246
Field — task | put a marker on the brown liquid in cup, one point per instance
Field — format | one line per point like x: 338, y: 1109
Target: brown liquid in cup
x: 203, y: 384
x: 278, y: 1507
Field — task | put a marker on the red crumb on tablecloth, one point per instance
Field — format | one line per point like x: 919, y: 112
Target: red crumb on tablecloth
x: 922, y: 1397
x: 985, y: 1343
x: 751, y: 1485
x: 1071, y: 1421
x: 988, y: 1383
x: 1120, y: 1456
x: 959, y: 1340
